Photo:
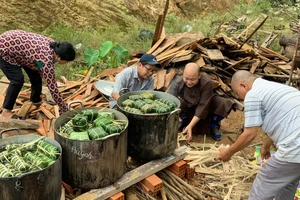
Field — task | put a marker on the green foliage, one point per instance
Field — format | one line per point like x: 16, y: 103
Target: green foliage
x: 109, y: 54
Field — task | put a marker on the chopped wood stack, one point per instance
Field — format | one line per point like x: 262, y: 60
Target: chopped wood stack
x: 220, y: 57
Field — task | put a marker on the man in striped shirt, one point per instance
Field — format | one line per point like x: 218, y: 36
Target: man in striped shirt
x: 276, y: 109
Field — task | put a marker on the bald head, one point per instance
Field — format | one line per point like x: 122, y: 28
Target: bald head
x: 242, y: 76
x: 192, y: 68
x: 191, y: 74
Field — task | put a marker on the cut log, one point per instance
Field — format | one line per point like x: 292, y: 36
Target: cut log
x: 23, y: 112
x: 16, y: 123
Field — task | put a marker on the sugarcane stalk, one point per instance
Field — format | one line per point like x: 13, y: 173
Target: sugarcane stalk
x: 163, y: 193
x: 170, y: 195
x: 174, y: 191
x: 209, y: 193
x: 198, y: 195
x: 175, y: 184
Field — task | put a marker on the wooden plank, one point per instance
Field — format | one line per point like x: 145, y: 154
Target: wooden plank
x: 160, y: 79
x: 16, y: 123
x: 23, y: 112
x: 237, y: 63
x: 51, y: 129
x: 41, y: 129
x: 248, y: 27
x: 154, y: 47
x: 169, y: 77
x: 88, y: 76
x: 76, y: 84
x: 274, y: 53
x: 47, y: 112
x: 56, y: 111
x: 215, y: 54
x: 200, y: 62
x: 134, y: 176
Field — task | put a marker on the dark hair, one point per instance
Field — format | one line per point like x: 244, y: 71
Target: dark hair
x: 64, y: 50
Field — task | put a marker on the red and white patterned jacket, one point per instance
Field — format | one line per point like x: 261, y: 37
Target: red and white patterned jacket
x: 24, y: 49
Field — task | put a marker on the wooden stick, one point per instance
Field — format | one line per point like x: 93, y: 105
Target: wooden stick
x: 248, y: 38
x: 163, y: 193
x: 185, y: 184
x: 174, y: 191
x: 294, y: 60
x: 248, y: 27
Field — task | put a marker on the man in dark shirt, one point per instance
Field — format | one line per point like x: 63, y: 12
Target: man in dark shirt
x: 202, y: 110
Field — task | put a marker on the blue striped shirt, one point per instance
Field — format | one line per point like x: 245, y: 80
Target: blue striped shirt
x: 276, y: 109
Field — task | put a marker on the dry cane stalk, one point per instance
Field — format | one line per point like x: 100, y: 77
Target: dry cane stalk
x: 177, y: 185
x: 196, y: 193
x: 170, y: 195
x: 163, y: 194
x: 174, y: 191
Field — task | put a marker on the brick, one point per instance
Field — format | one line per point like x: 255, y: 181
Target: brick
x: 179, y: 166
x: 190, y: 172
x: 153, y: 182
x: 147, y: 190
x: 180, y: 174
x: 118, y: 196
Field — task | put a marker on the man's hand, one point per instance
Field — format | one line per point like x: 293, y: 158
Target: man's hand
x: 188, y: 132
x: 265, y: 152
x: 224, y: 154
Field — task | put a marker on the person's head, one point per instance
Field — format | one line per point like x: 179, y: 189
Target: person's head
x: 191, y: 74
x: 241, y: 82
x: 63, y: 52
x: 147, y: 66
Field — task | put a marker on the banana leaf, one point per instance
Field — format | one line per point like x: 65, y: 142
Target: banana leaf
x: 104, y: 114
x: 90, y: 114
x: 158, y: 108
x: 48, y: 149
x: 80, y: 122
x: 133, y: 110
x: 13, y: 170
x: 138, y: 104
x: 45, y: 158
x: 136, y: 97
x: 96, y: 133
x: 113, y: 128
x: 172, y: 105
x: 148, y: 101
x: 35, y: 160
x: 102, y: 122
x: 148, y: 95
x: 4, y: 171
x: 79, y: 136
x: 147, y: 108
x: 127, y: 102
x: 4, y: 156
x: 19, y: 163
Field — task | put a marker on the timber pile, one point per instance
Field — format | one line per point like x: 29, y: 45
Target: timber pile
x: 218, y: 56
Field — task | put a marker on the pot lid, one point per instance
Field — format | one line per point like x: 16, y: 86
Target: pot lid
x: 105, y: 87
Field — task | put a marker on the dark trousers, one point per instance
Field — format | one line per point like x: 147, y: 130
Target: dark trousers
x: 15, y: 75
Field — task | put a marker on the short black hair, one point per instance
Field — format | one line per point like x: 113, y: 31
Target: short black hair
x: 64, y: 50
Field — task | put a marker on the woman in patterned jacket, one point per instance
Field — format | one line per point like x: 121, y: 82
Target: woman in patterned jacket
x: 36, y: 54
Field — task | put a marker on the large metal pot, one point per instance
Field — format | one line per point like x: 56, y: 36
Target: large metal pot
x: 96, y: 163
x: 44, y: 184
x: 151, y: 136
